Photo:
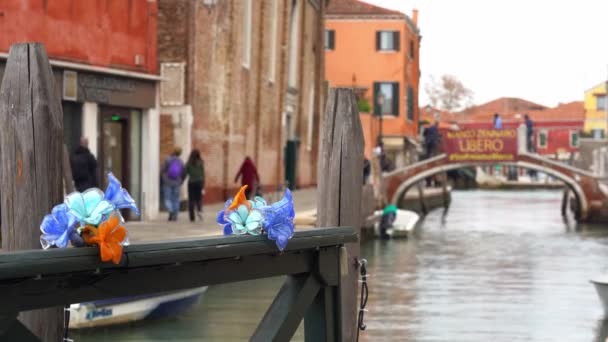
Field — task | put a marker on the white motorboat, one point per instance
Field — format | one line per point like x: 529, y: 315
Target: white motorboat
x: 130, y: 309
x: 403, y: 226
x: 601, y: 286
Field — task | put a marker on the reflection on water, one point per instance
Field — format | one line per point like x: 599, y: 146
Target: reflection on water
x: 502, y: 267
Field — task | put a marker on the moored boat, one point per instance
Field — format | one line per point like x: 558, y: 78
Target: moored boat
x: 601, y: 286
x: 130, y: 309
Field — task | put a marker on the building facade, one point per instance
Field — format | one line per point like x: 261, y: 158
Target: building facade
x: 104, y: 60
x: 243, y: 78
x: 376, y: 51
x: 596, y: 111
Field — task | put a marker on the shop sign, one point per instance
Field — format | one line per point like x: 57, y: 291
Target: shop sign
x: 481, y: 145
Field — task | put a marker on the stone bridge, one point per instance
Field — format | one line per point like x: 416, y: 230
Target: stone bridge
x: 590, y: 191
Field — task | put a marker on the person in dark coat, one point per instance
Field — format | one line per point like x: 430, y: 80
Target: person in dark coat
x: 249, y: 176
x: 195, y: 172
x: 84, y: 167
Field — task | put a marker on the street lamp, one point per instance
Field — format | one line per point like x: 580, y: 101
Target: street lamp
x: 378, y: 108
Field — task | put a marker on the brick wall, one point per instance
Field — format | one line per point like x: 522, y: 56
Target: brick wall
x: 237, y: 109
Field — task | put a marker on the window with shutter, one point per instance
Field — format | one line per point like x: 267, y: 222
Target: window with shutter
x: 410, y: 104
x: 395, y: 99
x: 330, y: 39
x: 411, y: 49
x: 387, y: 40
x: 396, y: 40
x: 386, y: 98
x: 542, y: 139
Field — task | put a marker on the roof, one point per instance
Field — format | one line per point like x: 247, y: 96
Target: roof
x: 505, y: 106
x: 514, y: 111
x: 571, y: 111
x: 359, y: 8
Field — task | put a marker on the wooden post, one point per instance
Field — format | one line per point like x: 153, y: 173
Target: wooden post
x: 68, y: 181
x: 31, y: 148
x: 565, y: 202
x: 421, y: 199
x: 339, y: 191
x: 444, y: 191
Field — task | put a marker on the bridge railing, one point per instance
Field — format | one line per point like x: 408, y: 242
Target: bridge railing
x: 39, y: 279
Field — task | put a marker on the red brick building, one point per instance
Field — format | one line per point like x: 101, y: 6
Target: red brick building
x: 103, y: 55
x: 243, y: 78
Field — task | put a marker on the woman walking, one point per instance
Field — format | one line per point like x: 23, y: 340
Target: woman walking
x: 195, y: 171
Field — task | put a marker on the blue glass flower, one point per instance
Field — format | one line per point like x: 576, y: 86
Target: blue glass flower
x: 244, y: 221
x: 278, y: 220
x: 221, y: 218
x: 258, y: 202
x: 119, y: 196
x: 58, y: 228
x: 89, y: 207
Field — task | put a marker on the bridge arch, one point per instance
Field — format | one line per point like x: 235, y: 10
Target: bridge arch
x: 419, y: 171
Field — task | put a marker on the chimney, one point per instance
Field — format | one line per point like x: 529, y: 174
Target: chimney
x: 415, y: 16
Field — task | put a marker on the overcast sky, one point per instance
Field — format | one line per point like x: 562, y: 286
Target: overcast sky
x: 545, y: 51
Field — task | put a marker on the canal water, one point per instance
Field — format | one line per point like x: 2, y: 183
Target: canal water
x: 499, y: 266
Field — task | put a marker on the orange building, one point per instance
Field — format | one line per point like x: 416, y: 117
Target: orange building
x: 376, y: 51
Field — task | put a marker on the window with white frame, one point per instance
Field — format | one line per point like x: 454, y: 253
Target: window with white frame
x: 247, y: 27
x: 543, y: 139
x: 573, y: 138
x: 273, y: 40
x: 600, y: 101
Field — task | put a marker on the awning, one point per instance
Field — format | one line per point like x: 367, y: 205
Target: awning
x: 398, y: 142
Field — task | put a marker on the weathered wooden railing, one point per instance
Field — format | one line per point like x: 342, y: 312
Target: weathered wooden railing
x: 38, y: 279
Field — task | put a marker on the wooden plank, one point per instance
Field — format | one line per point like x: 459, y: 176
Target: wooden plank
x: 31, y: 147
x: 339, y: 190
x: 31, y: 293
x: 43, y: 263
x: 13, y: 330
x: 288, y: 309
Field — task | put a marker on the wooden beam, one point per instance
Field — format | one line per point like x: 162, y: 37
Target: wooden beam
x: 31, y: 149
x: 31, y: 293
x: 288, y: 309
x: 32, y: 264
x: 320, y: 320
x: 339, y: 191
x: 13, y: 330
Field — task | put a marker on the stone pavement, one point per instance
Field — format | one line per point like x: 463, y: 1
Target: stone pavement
x: 305, y: 200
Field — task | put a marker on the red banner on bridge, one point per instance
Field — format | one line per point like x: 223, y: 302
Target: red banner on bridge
x: 481, y: 145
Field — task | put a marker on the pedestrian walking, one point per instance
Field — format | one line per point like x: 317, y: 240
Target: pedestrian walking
x: 249, y: 176
x: 497, y: 121
x: 195, y: 172
x: 431, y: 140
x: 84, y: 166
x: 172, y: 175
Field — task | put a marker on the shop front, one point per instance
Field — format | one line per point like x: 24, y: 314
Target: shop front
x: 117, y: 112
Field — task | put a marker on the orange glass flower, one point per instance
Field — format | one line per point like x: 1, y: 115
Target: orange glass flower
x: 239, y: 199
x: 108, y: 237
